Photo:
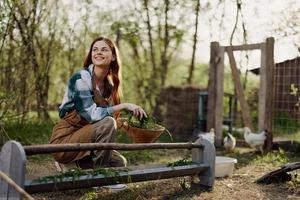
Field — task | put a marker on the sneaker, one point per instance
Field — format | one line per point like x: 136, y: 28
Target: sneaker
x: 64, y: 167
x: 115, y: 188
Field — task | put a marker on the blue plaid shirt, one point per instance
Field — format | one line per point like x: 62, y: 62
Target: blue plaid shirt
x: 79, y: 95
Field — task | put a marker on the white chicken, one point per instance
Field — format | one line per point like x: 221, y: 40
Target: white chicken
x: 210, y: 136
x: 229, y: 142
x: 255, y: 140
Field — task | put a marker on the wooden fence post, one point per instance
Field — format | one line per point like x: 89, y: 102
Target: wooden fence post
x: 216, y: 91
x: 207, y: 155
x: 12, y: 163
x: 239, y: 89
x: 266, y: 91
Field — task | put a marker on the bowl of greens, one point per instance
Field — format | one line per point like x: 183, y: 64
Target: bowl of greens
x: 145, y: 130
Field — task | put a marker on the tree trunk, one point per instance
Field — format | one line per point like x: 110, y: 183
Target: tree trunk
x: 8, y: 67
x: 149, y: 29
x: 140, y: 75
x: 157, y: 113
x: 152, y: 88
x: 164, y: 59
x: 192, y: 66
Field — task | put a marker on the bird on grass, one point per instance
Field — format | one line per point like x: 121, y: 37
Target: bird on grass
x: 210, y: 136
x: 255, y: 140
x: 229, y: 142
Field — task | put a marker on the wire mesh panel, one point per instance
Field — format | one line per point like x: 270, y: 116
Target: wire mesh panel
x: 286, y: 111
x: 185, y: 110
x: 181, y: 110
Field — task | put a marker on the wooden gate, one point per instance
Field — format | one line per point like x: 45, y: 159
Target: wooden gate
x: 216, y: 89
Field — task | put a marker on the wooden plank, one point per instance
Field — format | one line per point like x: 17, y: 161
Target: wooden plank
x: 12, y: 162
x: 239, y: 89
x: 206, y: 156
x: 51, y: 148
x: 245, y: 47
x: 219, y: 98
x: 4, y: 167
x: 265, y: 103
x: 17, y: 168
x: 124, y: 177
x: 262, y: 90
x: 269, y: 92
x: 279, y: 175
x: 215, y: 91
x: 211, y: 88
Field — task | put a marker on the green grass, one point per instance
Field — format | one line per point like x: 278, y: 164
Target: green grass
x: 134, y: 157
x: 29, y: 133
x: 275, y: 158
x: 32, y: 131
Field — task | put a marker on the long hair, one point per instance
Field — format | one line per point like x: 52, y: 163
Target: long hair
x: 114, y: 73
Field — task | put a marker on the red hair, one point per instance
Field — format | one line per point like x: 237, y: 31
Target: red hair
x: 114, y: 73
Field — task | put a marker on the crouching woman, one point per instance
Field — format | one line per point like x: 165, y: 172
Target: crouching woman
x: 90, y: 109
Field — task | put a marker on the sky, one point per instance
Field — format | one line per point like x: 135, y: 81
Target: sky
x: 259, y: 16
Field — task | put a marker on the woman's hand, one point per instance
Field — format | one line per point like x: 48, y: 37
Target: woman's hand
x: 137, y: 110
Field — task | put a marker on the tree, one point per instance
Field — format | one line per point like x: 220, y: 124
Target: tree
x: 192, y: 66
x: 153, y: 43
x: 36, y: 49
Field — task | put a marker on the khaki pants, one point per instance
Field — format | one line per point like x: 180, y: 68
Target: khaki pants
x: 104, y: 131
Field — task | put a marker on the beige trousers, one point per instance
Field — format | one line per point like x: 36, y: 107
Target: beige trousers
x: 104, y: 131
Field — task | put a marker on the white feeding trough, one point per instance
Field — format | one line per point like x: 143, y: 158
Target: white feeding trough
x: 224, y: 166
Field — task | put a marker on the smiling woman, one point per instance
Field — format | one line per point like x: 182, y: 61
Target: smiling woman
x: 90, y: 109
x: 102, y: 55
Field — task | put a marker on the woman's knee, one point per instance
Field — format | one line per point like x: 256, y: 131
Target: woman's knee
x: 104, y: 130
x: 107, y: 123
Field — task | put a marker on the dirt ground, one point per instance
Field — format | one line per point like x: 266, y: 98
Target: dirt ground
x: 241, y: 185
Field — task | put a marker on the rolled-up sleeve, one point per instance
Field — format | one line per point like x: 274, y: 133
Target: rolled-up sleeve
x: 84, y: 102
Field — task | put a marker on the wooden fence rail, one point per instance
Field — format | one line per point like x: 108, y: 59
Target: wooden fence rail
x: 13, y: 161
x: 123, y: 177
x: 52, y: 148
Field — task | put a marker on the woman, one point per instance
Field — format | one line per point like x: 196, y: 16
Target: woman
x: 90, y: 107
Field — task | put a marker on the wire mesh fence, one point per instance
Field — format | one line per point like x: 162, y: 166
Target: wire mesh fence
x: 286, y: 111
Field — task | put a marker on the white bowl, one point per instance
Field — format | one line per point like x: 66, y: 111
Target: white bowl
x: 224, y: 166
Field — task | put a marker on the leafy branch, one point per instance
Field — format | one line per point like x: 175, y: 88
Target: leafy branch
x: 294, y: 92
